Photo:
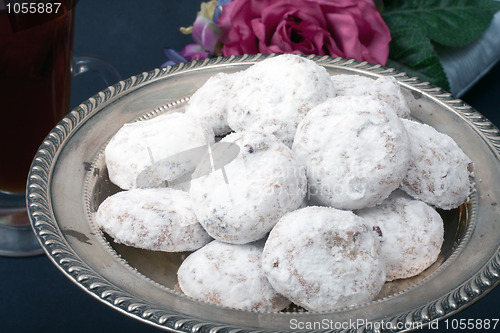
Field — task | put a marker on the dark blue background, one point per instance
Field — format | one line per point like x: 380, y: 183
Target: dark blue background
x: 35, y: 295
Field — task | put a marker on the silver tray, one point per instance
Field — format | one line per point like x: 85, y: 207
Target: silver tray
x: 68, y: 180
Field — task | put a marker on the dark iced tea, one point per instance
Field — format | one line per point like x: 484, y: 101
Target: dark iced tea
x: 35, y: 60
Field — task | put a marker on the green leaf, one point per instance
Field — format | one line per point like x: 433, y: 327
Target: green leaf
x: 416, y: 24
x: 411, y: 51
x: 453, y: 23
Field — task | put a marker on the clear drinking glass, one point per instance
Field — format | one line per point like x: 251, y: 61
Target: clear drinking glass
x: 36, y: 68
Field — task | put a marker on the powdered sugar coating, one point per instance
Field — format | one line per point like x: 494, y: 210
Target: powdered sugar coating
x: 275, y: 94
x: 439, y: 170
x: 159, y: 219
x: 412, y: 234
x: 137, y: 145
x: 385, y: 88
x: 260, y: 185
x: 229, y: 275
x: 209, y: 102
x: 356, y: 152
x: 323, y: 258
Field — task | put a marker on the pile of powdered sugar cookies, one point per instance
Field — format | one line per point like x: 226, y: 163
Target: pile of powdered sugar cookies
x: 333, y: 190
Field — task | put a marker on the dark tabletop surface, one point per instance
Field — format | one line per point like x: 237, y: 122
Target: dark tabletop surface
x: 35, y: 295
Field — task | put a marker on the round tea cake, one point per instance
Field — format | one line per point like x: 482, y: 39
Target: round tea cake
x: 412, y: 234
x: 209, y: 102
x: 275, y: 94
x: 439, y: 171
x: 241, y: 202
x: 323, y: 259
x: 229, y: 275
x: 355, y: 149
x: 385, y: 88
x: 158, y: 219
x: 137, y: 146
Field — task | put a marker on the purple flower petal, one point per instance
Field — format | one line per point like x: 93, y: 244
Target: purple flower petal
x: 206, y: 33
x: 194, y: 52
x: 198, y: 26
x: 174, y: 56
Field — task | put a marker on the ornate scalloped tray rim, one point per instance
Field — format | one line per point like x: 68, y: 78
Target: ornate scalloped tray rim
x: 70, y: 263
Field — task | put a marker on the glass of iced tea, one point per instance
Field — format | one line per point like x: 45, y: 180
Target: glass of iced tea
x: 36, y: 42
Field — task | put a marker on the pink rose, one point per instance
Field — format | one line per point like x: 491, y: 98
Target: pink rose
x: 343, y: 28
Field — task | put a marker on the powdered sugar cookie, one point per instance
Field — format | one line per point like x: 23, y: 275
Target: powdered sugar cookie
x: 275, y: 94
x: 136, y: 146
x: 323, y: 258
x: 158, y: 219
x: 243, y: 201
x: 439, y: 170
x: 208, y: 103
x: 412, y: 234
x: 385, y: 88
x: 229, y: 275
x: 356, y: 152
